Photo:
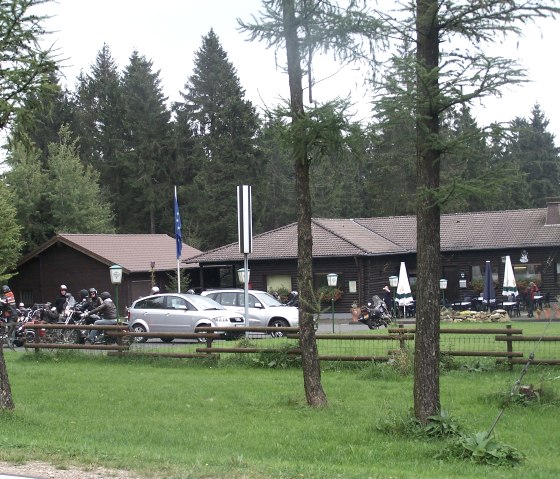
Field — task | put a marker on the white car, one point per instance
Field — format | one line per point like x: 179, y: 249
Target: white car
x: 180, y: 313
x: 264, y: 309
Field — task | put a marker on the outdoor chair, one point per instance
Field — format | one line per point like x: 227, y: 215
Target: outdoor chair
x: 497, y: 304
x: 516, y: 308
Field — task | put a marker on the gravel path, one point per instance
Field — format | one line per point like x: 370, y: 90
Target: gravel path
x: 43, y: 470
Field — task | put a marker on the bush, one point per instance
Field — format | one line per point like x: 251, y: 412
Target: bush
x: 483, y: 449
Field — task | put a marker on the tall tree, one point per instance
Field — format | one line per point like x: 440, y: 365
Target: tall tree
x: 447, y: 77
x: 73, y: 194
x: 533, y: 148
x: 27, y: 178
x: 313, y: 388
x: 24, y: 67
x: 391, y: 165
x: 146, y: 156
x: 25, y: 64
x: 279, y: 204
x: 100, y: 114
x: 44, y: 111
x: 225, y: 127
x: 305, y: 27
x: 62, y: 196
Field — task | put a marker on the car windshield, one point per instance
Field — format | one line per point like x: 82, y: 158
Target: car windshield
x: 203, y: 303
x: 267, y: 299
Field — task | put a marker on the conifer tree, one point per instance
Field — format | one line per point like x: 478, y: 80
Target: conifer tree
x: 225, y: 127
x: 100, y: 124
x: 147, y: 153
x: 73, y: 194
x: 533, y: 148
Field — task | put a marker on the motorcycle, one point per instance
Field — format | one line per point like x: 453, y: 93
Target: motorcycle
x: 23, y: 334
x: 293, y: 299
x: 375, y: 314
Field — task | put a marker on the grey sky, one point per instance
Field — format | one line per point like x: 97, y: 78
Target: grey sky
x: 169, y: 32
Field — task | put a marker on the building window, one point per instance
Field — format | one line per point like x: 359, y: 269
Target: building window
x: 279, y: 282
x: 525, y: 273
x: 478, y: 273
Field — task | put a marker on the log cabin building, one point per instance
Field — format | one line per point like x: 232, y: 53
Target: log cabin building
x: 365, y: 252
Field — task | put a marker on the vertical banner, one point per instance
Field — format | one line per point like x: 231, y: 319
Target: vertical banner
x: 244, y: 219
x: 178, y: 234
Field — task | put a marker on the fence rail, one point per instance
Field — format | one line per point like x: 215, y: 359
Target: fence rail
x: 505, y: 344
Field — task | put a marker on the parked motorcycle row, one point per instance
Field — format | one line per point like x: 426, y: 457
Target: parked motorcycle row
x: 374, y: 315
x: 43, y: 314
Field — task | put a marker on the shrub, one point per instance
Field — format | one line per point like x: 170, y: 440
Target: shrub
x: 483, y: 449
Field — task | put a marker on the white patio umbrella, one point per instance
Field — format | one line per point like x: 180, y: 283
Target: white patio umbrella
x: 404, y: 293
x: 510, y: 286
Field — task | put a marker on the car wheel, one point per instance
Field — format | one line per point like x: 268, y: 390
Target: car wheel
x: 138, y: 328
x: 167, y: 340
x: 200, y: 339
x: 278, y: 323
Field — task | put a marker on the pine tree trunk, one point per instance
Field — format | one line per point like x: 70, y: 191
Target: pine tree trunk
x: 426, y: 354
x: 310, y: 358
x: 6, y: 400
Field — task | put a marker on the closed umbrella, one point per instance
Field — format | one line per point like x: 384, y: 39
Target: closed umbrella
x: 404, y: 293
x: 510, y: 286
x: 488, y: 293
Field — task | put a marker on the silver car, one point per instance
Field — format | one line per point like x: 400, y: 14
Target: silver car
x: 264, y: 309
x: 180, y: 313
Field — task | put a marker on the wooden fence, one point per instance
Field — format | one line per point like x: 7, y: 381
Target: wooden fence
x: 396, y: 340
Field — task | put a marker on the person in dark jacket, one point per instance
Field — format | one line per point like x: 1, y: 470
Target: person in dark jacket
x: 63, y: 300
x: 108, y: 313
x: 9, y: 311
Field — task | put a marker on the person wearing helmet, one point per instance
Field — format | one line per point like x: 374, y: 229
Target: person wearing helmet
x: 94, y: 301
x: 63, y: 300
x: 154, y: 290
x: 107, y: 312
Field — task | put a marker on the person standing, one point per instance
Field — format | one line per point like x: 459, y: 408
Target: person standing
x: 388, y: 299
x: 9, y: 311
x: 533, y: 289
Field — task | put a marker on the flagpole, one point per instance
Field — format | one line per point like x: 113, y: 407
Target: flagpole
x: 178, y: 238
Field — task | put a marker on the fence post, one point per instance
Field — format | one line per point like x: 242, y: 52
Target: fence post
x: 509, y: 344
x: 402, y: 342
x: 37, y: 338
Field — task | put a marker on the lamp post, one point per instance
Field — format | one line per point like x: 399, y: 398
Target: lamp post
x: 332, y: 279
x: 243, y: 274
x: 152, y: 272
x: 116, y: 277
x: 443, y: 287
x: 393, y: 283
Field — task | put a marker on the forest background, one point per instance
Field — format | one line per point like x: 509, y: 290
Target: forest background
x: 105, y: 156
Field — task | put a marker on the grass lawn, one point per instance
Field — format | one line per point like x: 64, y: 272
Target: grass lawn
x: 190, y: 419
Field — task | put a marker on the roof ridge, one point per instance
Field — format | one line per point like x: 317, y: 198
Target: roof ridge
x: 380, y: 235
x: 316, y: 220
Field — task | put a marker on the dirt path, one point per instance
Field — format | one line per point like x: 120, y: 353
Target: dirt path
x: 42, y: 470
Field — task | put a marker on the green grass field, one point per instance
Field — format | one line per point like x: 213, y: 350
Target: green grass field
x: 225, y: 419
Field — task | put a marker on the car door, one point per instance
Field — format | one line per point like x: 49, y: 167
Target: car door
x: 151, y: 311
x: 181, y: 315
x: 257, y: 316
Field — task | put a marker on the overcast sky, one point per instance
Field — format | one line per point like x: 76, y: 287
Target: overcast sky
x: 169, y: 32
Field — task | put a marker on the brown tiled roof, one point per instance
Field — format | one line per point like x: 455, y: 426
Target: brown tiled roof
x: 397, y: 235
x: 134, y: 252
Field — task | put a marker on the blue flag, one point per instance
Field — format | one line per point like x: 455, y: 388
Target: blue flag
x: 178, y: 236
